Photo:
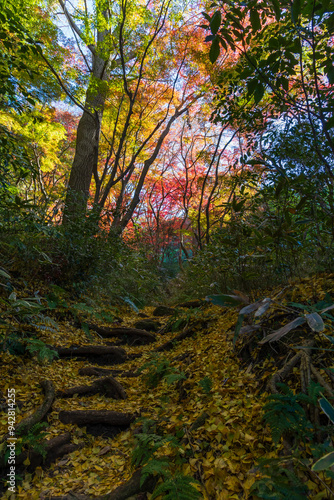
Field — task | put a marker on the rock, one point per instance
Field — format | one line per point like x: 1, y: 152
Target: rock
x: 163, y: 311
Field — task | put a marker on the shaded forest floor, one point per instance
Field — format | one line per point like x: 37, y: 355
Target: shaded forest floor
x: 194, y: 405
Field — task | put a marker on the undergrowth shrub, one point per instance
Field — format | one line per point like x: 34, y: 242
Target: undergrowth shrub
x: 159, y: 368
x: 78, y: 257
x: 20, y: 319
x: 147, y: 453
x: 273, y: 229
x: 286, y: 414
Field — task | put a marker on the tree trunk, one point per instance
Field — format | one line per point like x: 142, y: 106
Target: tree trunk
x: 88, y: 133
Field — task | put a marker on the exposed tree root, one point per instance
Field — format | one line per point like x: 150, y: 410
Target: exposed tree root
x: 96, y: 371
x: 148, y: 325
x: 27, y: 423
x: 101, y: 353
x: 288, y: 367
x: 132, y: 335
x: 40, y: 413
x: 322, y: 381
x: 167, y: 346
x: 107, y: 386
x: 108, y: 417
x: 283, y: 372
x: 53, y: 448
x: 123, y: 492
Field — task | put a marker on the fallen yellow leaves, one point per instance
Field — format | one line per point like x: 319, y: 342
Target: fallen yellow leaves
x: 223, y: 451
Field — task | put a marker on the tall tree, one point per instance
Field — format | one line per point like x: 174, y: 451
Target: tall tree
x: 132, y: 99
x: 89, y: 127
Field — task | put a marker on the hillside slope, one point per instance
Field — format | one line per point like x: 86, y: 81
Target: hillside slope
x: 189, y: 411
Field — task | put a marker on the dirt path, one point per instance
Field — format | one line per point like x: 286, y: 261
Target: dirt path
x: 192, y: 390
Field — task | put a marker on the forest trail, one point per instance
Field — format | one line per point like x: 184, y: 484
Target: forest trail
x: 190, y: 397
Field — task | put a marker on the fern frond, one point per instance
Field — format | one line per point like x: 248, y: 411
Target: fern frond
x: 175, y: 377
x: 278, y: 483
x: 314, y: 391
x: 206, y: 384
x: 147, y: 445
x: 283, y: 413
x: 178, y: 487
x: 154, y: 467
x: 44, y: 353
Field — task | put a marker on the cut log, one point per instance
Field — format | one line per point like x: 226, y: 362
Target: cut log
x: 167, y: 346
x: 163, y: 311
x: 107, y: 386
x: 96, y: 371
x: 100, y: 353
x: 132, y: 336
x: 108, y: 417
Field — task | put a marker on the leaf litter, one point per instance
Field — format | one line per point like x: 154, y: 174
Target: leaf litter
x: 223, y: 452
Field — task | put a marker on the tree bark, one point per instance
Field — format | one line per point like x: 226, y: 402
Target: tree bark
x: 107, y: 386
x: 108, y: 417
x: 133, y: 335
x: 88, y: 133
x: 125, y: 491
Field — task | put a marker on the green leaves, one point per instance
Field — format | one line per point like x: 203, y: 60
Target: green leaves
x: 277, y: 9
x: 324, y: 462
x: 214, y: 50
x: 295, y: 10
x: 259, y: 93
x: 255, y: 20
x: 4, y: 274
x: 174, y: 485
x: 215, y: 22
x: 130, y: 303
x: 327, y: 408
x: 44, y: 353
x: 206, y: 384
x: 157, y: 466
x: 178, y: 487
x: 283, y: 413
x: 330, y: 73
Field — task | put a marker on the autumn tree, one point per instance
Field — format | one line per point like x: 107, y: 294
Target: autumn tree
x: 132, y: 99
x: 285, y: 61
x: 27, y: 88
